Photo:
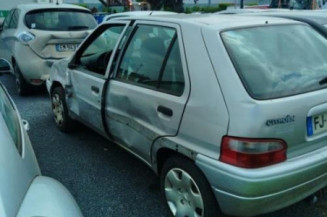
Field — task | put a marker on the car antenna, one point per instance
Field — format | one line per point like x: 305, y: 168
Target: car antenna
x: 57, y: 2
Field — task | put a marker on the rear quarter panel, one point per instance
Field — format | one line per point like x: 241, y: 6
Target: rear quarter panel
x: 205, y: 119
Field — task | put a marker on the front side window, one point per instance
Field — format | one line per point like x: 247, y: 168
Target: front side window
x: 152, y: 59
x: 60, y: 20
x: 96, y: 55
x: 11, y: 119
x: 278, y: 61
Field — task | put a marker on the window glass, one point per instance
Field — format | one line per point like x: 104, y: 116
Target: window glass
x: 145, y: 54
x: 11, y: 118
x: 277, y: 61
x: 173, y: 78
x: 7, y: 20
x: 96, y: 56
x: 60, y: 20
x: 14, y: 20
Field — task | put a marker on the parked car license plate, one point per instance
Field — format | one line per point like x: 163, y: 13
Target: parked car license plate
x: 317, y: 124
x: 66, y: 47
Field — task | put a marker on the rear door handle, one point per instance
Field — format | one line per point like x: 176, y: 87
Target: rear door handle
x: 164, y: 110
x: 95, y: 89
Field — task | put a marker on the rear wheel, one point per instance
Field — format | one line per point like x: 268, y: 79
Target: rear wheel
x: 60, y: 111
x: 23, y: 88
x: 186, y: 190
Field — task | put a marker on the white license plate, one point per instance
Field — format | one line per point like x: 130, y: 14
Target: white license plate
x: 317, y: 124
x: 66, y: 47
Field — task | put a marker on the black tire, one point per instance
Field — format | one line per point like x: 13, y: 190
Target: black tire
x: 22, y: 87
x: 60, y: 111
x: 179, y: 169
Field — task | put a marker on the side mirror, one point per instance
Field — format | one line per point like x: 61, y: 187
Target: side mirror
x: 4, y: 67
x: 26, y: 125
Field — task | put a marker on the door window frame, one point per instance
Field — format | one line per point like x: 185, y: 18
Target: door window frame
x: 74, y: 63
x: 180, y: 42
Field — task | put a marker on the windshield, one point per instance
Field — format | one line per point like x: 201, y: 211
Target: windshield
x: 278, y: 61
x: 60, y: 20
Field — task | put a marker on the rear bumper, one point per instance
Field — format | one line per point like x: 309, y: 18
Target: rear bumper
x: 32, y: 66
x: 48, y: 197
x: 250, y: 192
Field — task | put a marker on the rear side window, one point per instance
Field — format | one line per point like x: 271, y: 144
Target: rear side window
x: 10, y: 116
x: 60, y: 20
x: 278, y: 61
x: 14, y: 20
x: 152, y: 59
x: 8, y: 19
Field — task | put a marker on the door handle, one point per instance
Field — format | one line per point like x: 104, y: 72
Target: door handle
x: 95, y: 89
x: 164, y: 110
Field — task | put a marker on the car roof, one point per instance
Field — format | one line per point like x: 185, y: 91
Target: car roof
x: 214, y: 21
x: 37, y: 6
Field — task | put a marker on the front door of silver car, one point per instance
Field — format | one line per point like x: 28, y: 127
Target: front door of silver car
x: 148, y: 92
x: 88, y: 74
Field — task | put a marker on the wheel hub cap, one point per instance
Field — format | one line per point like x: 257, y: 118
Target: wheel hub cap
x: 183, y: 195
x: 58, y: 109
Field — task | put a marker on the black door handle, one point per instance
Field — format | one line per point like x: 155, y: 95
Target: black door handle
x: 95, y: 89
x: 164, y: 110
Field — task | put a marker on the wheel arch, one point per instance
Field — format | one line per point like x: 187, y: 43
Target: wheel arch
x: 163, y: 149
x: 54, y: 85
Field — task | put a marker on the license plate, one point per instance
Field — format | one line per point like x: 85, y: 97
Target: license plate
x: 317, y: 124
x: 66, y: 47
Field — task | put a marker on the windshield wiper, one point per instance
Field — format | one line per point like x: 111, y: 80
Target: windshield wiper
x: 323, y: 81
x: 77, y: 27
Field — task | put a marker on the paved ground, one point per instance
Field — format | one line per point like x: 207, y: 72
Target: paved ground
x: 105, y: 180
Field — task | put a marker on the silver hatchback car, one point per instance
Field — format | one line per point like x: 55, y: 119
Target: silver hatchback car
x: 33, y: 36
x: 230, y: 111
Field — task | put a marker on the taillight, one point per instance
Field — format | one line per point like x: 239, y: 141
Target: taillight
x: 252, y: 153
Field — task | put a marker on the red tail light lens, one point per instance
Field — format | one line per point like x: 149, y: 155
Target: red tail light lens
x: 252, y: 153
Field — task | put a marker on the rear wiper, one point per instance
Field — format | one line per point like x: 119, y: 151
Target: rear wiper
x: 323, y: 81
x: 77, y: 27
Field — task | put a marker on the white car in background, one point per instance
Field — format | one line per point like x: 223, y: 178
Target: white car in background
x: 136, y: 13
x: 24, y: 192
x: 33, y: 36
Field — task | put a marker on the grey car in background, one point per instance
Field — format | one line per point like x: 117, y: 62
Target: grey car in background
x: 33, y: 36
x: 228, y: 121
x: 24, y: 192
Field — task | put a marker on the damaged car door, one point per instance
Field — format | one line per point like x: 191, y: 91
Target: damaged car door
x: 147, y: 93
x: 88, y: 75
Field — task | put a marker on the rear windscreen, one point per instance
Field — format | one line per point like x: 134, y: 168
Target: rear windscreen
x: 60, y: 20
x: 278, y: 61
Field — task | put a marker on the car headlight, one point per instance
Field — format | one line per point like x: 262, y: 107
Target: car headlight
x: 25, y: 37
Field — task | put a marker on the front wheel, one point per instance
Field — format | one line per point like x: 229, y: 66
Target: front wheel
x: 60, y: 111
x: 186, y: 190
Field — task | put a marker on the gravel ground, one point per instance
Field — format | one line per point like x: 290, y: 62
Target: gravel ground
x: 105, y: 180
